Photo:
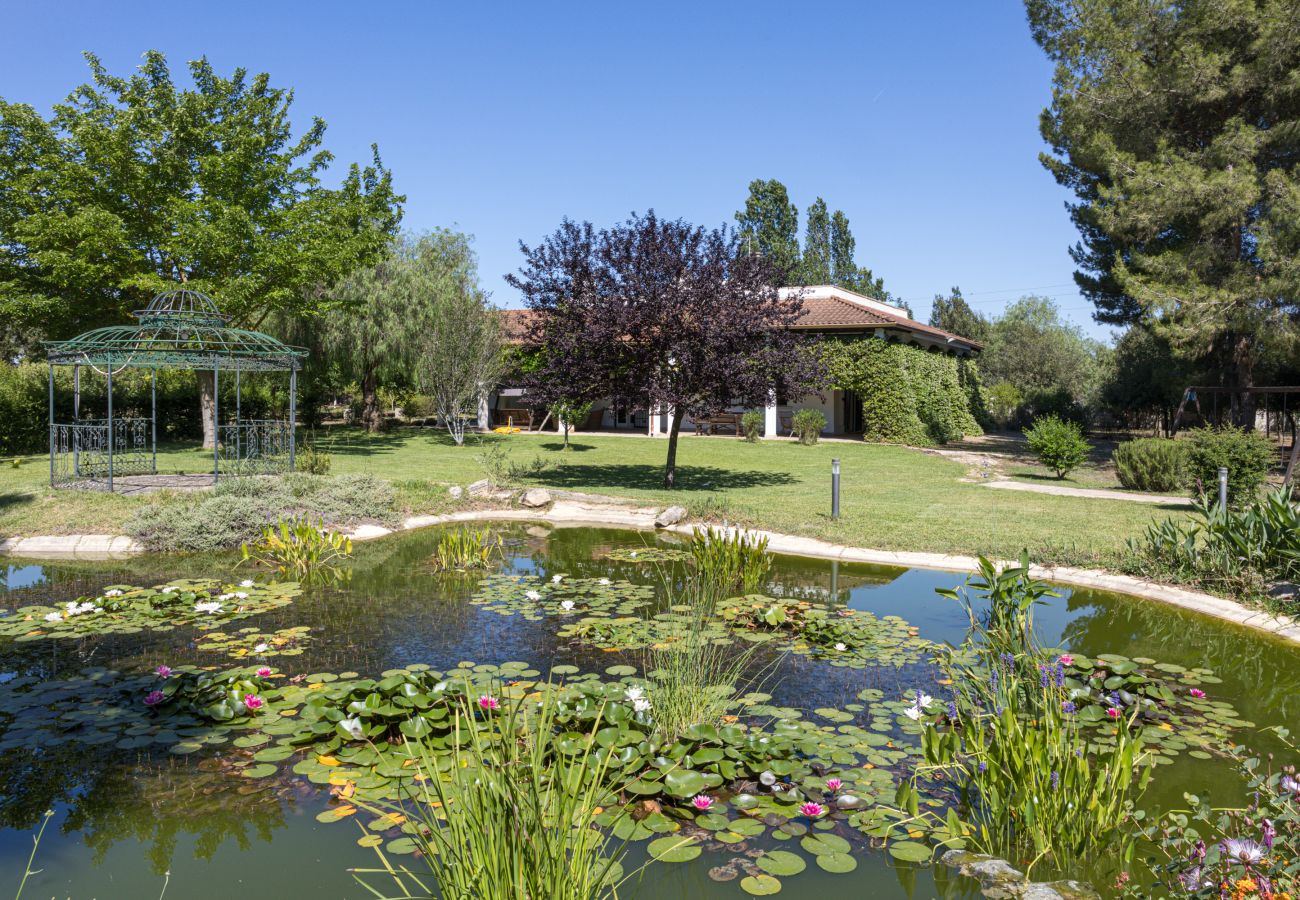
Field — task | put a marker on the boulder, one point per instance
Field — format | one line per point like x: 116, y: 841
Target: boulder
x: 456, y: 491
x: 670, y: 516
x: 535, y: 497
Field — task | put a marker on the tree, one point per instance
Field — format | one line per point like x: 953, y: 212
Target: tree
x: 1030, y: 347
x: 769, y: 225
x: 817, y: 245
x: 381, y: 315
x: 1177, y: 126
x: 1146, y: 379
x: 845, y: 271
x: 135, y: 185
x: 954, y: 315
x: 658, y: 312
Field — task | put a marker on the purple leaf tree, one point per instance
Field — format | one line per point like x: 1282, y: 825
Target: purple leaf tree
x: 660, y: 313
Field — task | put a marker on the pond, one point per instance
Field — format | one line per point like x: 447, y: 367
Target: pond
x: 134, y: 817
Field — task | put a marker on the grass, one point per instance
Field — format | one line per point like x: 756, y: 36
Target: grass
x: 892, y: 497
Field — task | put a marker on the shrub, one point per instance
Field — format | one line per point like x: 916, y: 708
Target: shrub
x: 808, y: 425
x: 238, y: 508
x: 751, y: 425
x: 1058, y: 444
x: 1151, y: 464
x: 1003, y: 399
x: 313, y: 461
x: 1248, y: 455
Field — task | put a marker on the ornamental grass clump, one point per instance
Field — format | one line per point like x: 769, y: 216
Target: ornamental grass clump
x: 728, y: 560
x: 1035, y: 778
x: 300, y: 549
x: 509, y: 810
x: 462, y: 549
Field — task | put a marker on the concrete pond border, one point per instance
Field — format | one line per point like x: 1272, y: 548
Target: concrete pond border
x: 590, y: 510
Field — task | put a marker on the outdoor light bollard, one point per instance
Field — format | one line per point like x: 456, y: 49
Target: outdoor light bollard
x: 1223, y: 487
x: 835, y: 488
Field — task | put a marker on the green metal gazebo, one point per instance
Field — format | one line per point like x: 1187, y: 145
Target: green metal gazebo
x: 180, y: 329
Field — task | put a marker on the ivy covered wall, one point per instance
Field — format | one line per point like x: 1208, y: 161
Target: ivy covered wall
x: 909, y: 395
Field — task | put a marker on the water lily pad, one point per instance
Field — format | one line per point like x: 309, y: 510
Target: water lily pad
x: 760, y: 885
x: 674, y: 848
x: 781, y: 862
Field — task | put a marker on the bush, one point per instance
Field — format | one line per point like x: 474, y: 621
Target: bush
x: 1248, y: 455
x: 1058, y: 444
x: 1151, y: 464
x: 751, y: 425
x: 239, y: 508
x: 313, y: 461
x: 1003, y: 399
x: 808, y: 425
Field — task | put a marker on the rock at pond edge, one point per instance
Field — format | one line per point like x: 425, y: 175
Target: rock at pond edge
x: 670, y: 516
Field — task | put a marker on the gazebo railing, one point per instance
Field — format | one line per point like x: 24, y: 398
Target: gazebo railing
x: 79, y: 451
x: 255, y: 447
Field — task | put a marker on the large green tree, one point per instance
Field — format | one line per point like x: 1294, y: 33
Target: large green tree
x: 953, y: 314
x: 1030, y: 347
x: 769, y: 225
x: 137, y: 184
x: 1176, y: 123
x: 817, y: 244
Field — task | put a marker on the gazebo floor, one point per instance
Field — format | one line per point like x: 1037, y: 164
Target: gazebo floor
x: 145, y: 484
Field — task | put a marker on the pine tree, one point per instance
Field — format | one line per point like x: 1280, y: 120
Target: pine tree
x: 1177, y: 126
x: 953, y: 314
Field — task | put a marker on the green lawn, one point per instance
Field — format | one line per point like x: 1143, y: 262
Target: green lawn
x: 893, y: 497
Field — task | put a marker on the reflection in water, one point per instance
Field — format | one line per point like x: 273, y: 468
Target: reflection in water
x: 127, y: 816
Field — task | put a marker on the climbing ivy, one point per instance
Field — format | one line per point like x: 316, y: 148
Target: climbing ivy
x: 909, y: 395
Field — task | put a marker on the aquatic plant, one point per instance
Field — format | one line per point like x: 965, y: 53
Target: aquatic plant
x: 730, y: 559
x: 299, y: 548
x: 512, y: 811
x: 466, y: 548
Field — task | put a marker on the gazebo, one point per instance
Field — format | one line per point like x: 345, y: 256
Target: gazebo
x: 180, y: 329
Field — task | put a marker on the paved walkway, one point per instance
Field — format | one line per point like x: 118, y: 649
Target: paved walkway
x: 1094, y: 493
x: 569, y: 512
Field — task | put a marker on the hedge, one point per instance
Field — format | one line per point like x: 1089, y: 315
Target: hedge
x: 909, y: 395
x: 24, y: 393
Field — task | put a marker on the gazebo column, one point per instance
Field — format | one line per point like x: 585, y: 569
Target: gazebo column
x: 109, y: 360
x: 76, y: 417
x: 484, y: 413
x: 216, y: 423
x: 52, y: 440
x: 153, y: 418
x: 770, y: 427
x: 293, y: 416
x: 238, y: 436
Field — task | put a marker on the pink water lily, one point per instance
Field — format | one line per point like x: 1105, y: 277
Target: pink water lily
x: 1198, y: 693
x: 1113, y: 712
x: 1066, y: 659
x: 252, y: 702
x: 833, y: 784
x: 812, y: 810
x: 702, y: 802
x: 487, y: 701
x: 264, y: 672
x: 153, y: 698
x: 163, y: 671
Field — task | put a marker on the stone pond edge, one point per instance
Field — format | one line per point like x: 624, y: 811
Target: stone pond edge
x: 601, y: 511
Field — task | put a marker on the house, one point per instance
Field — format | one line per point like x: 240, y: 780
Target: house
x: 833, y: 312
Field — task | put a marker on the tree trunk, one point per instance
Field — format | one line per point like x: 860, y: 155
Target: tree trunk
x: 371, y: 416
x: 670, y: 468
x: 207, y: 401
x: 1241, y: 371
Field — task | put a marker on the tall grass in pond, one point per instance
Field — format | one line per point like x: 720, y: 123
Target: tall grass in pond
x: 300, y: 549
x: 511, y: 814
x: 466, y: 548
x: 1033, y: 777
x: 731, y: 560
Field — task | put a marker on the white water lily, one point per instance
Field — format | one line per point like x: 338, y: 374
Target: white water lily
x: 211, y: 607
x: 54, y: 617
x: 261, y: 648
x: 556, y: 579
x: 113, y: 593
x: 641, y: 705
x: 840, y: 647
x: 533, y: 595
x: 247, y: 582
x: 603, y: 581
x: 914, y: 713
x: 635, y: 692
x: 167, y: 589
x: 767, y: 778
x: 76, y: 609
x: 566, y: 605
x: 632, y: 554
x: 224, y: 597
x: 353, y: 727
x: 240, y: 595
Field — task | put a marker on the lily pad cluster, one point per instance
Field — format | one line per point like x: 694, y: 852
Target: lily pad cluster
x: 647, y: 555
x: 534, y: 598
x: 123, y: 609
x: 840, y: 636
x: 253, y: 643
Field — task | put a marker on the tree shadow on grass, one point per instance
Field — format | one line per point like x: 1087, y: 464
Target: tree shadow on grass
x: 11, y: 499
x: 573, y: 448
x: 651, y: 477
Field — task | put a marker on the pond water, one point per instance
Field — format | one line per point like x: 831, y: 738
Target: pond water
x: 130, y: 821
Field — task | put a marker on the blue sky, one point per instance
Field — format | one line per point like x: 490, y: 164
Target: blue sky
x: 918, y: 120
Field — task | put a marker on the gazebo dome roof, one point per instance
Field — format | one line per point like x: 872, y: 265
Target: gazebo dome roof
x: 179, y: 329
